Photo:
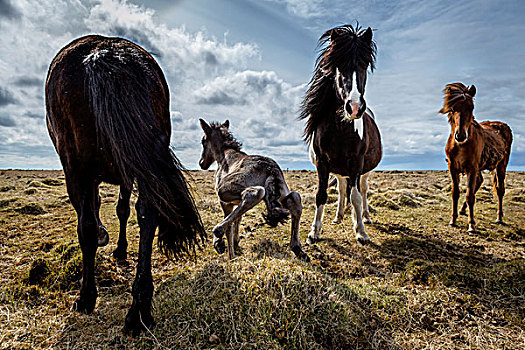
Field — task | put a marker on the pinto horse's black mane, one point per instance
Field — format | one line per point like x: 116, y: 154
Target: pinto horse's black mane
x: 230, y: 142
x: 340, y: 47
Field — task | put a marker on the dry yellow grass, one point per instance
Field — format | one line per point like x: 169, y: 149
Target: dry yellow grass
x: 420, y: 284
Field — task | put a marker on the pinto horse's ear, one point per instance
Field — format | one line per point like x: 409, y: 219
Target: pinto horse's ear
x: 367, y: 35
x: 226, y: 124
x: 472, y: 90
x: 205, y: 126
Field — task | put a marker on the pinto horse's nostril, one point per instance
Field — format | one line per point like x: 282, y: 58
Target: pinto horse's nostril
x: 348, y: 107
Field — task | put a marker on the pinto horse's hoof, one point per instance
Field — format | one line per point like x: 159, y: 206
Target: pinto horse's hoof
x: 311, y: 239
x: 362, y: 238
x: 219, y: 246
x: 103, y: 236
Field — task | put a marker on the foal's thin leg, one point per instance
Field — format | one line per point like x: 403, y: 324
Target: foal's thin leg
x: 250, y: 197
x: 320, y: 200
x: 454, y: 176
x: 471, y: 198
x: 499, y: 186
x: 102, y: 236
x: 139, y: 314
x: 363, y: 188
x: 235, y: 232
x: 83, y: 196
x: 218, y: 242
x: 341, y: 189
x: 120, y: 253
x: 292, y: 202
x: 357, y: 202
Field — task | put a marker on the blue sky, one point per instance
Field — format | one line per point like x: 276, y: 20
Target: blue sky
x: 249, y: 62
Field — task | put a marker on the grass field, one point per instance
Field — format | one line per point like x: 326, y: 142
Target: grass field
x: 419, y: 284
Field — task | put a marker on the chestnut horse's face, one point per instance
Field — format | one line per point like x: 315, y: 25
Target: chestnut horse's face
x: 460, y: 119
x: 350, y: 87
x: 459, y: 106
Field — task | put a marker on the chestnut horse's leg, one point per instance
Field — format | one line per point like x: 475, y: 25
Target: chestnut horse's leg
x: 463, y: 210
x: 139, y: 314
x: 83, y: 195
x: 341, y: 190
x: 120, y: 253
x: 321, y: 196
x: 292, y: 203
x: 473, y: 179
x: 499, y: 187
x: 454, y: 176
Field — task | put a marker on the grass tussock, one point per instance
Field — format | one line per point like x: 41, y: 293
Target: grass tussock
x: 418, y: 284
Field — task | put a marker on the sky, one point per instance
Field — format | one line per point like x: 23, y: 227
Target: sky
x: 249, y: 61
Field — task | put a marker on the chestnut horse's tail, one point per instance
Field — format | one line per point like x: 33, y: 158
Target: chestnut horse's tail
x: 126, y: 91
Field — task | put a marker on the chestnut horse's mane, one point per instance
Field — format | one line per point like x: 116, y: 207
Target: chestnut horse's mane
x: 455, y: 94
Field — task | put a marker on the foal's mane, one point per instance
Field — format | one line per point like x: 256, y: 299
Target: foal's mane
x: 340, y: 47
x: 229, y: 140
x: 456, y: 94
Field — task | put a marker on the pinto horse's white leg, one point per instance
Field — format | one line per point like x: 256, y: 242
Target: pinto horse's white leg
x: 341, y: 189
x: 313, y: 236
x: 359, y: 227
x: 364, y: 189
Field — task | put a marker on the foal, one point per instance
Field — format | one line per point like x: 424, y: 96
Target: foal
x: 473, y: 147
x: 244, y: 180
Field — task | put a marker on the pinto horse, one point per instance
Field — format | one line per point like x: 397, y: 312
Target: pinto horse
x: 107, y: 105
x: 473, y: 147
x: 241, y: 182
x: 341, y: 132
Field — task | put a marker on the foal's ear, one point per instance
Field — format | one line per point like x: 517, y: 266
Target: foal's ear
x: 472, y: 90
x: 226, y: 124
x: 205, y: 126
x: 367, y: 35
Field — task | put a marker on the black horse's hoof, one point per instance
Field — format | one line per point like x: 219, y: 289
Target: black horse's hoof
x: 300, y: 254
x: 120, y: 254
x: 103, y: 236
x: 219, y: 246
x: 135, y: 323
x: 84, y: 305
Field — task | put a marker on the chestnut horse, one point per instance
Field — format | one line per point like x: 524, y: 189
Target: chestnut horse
x: 473, y: 147
x: 341, y: 132
x: 108, y: 115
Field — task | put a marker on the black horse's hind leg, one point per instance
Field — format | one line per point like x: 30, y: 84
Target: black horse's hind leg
x: 120, y: 253
x: 102, y: 236
x: 83, y: 196
x: 292, y: 202
x: 139, y: 315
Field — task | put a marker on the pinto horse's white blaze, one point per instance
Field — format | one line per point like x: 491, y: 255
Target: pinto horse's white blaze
x: 355, y: 96
x: 358, y: 127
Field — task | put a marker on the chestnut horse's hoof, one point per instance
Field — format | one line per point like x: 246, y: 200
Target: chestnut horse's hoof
x: 103, y: 236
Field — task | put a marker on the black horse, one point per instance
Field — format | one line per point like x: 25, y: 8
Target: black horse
x: 107, y: 104
x: 341, y: 131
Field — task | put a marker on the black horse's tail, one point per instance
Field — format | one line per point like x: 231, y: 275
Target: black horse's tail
x: 126, y: 89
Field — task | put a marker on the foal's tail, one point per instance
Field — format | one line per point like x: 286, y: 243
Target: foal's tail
x: 125, y: 97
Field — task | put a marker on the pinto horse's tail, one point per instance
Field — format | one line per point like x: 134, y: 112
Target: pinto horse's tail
x: 126, y: 90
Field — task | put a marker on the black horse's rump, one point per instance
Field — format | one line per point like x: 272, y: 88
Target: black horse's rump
x: 107, y: 105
